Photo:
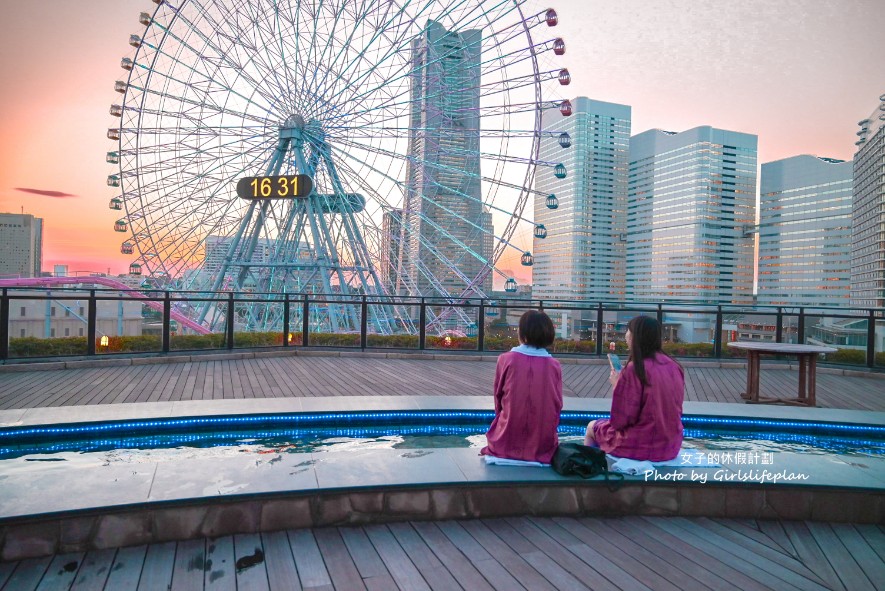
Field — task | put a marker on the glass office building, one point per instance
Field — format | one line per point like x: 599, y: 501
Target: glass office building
x: 690, y: 216
x: 868, y: 213
x: 582, y: 255
x: 805, y: 232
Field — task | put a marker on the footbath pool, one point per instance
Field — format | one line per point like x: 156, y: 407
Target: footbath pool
x: 267, y: 437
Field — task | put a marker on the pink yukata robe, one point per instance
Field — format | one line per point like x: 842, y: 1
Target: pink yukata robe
x: 528, y: 400
x: 646, y: 421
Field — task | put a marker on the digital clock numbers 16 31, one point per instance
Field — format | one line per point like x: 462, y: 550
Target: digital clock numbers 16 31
x: 275, y: 187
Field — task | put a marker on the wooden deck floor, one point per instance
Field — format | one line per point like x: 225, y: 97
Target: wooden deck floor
x: 271, y: 377
x: 630, y: 553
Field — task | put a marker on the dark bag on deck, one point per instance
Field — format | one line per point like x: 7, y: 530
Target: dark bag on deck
x: 581, y: 460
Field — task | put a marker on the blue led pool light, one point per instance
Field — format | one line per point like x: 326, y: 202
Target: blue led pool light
x: 11, y: 436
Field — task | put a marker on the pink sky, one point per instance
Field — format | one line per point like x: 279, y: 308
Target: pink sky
x: 798, y: 73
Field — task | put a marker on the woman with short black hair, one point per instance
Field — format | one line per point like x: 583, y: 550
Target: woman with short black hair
x: 528, y: 395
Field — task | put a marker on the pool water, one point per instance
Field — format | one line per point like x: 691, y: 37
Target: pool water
x: 269, y: 444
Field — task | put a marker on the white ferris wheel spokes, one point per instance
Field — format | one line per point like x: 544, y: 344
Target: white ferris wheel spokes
x: 417, y: 121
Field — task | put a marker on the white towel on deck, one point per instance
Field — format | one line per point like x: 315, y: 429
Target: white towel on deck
x: 508, y: 462
x: 687, y: 458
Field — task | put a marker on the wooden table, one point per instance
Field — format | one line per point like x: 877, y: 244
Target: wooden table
x: 807, y: 355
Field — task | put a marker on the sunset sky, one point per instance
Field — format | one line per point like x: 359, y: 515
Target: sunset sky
x: 798, y: 73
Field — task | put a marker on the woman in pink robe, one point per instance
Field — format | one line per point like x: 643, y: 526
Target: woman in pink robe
x: 528, y: 395
x: 646, y: 417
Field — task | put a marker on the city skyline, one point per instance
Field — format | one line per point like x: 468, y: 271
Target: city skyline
x: 766, y: 73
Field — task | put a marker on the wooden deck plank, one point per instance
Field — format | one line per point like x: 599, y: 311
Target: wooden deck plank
x: 27, y: 574
x: 614, y: 555
x: 403, y: 571
x: 874, y: 537
x: 308, y: 559
x: 808, y: 551
x: 220, y: 571
x: 515, y: 564
x: 94, y: 571
x: 6, y: 569
x: 846, y: 567
x: 339, y: 563
x: 345, y: 376
x: 775, y: 532
x: 866, y: 558
x: 708, y: 571
x: 156, y: 574
x: 606, y: 572
x: 787, y: 576
x: 735, y: 566
x: 281, y: 572
x: 61, y: 572
x: 190, y: 562
x: 430, y: 567
x: 669, y: 570
x: 365, y: 558
x: 126, y: 570
x: 250, y: 563
x: 452, y: 558
x: 775, y: 555
x: 752, y: 530
x: 381, y: 583
x: 552, y: 561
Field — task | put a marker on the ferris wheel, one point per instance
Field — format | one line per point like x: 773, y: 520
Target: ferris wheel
x: 412, y: 127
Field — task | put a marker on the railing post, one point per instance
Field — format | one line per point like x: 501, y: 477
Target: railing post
x: 230, y: 320
x: 286, y: 320
x: 779, y: 328
x: 305, y: 321
x: 599, y: 324
x: 481, y: 327
x: 364, y: 323
x: 871, y: 339
x: 4, y: 325
x: 660, y: 315
x: 422, y: 325
x: 801, y: 329
x: 717, y: 338
x: 167, y: 319
x: 90, y: 324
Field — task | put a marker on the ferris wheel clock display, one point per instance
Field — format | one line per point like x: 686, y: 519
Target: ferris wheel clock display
x: 343, y: 147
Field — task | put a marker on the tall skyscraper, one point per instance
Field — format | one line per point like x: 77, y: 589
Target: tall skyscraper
x: 582, y: 255
x: 443, y: 219
x: 868, y: 213
x: 21, y: 245
x: 805, y: 232
x: 391, y: 233
x: 690, y: 212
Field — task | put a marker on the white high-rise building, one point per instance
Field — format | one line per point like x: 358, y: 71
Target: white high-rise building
x: 868, y: 213
x: 444, y: 223
x: 582, y: 255
x: 580, y: 209
x: 805, y: 232
x: 690, y: 215
x: 21, y: 245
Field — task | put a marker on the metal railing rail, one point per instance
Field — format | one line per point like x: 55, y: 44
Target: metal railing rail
x: 166, y: 301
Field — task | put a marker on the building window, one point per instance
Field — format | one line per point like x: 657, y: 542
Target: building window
x: 52, y: 311
x: 67, y: 313
x: 52, y: 332
x: 23, y: 333
x: 67, y: 332
x: 81, y: 332
x: 82, y: 310
x: 23, y: 311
